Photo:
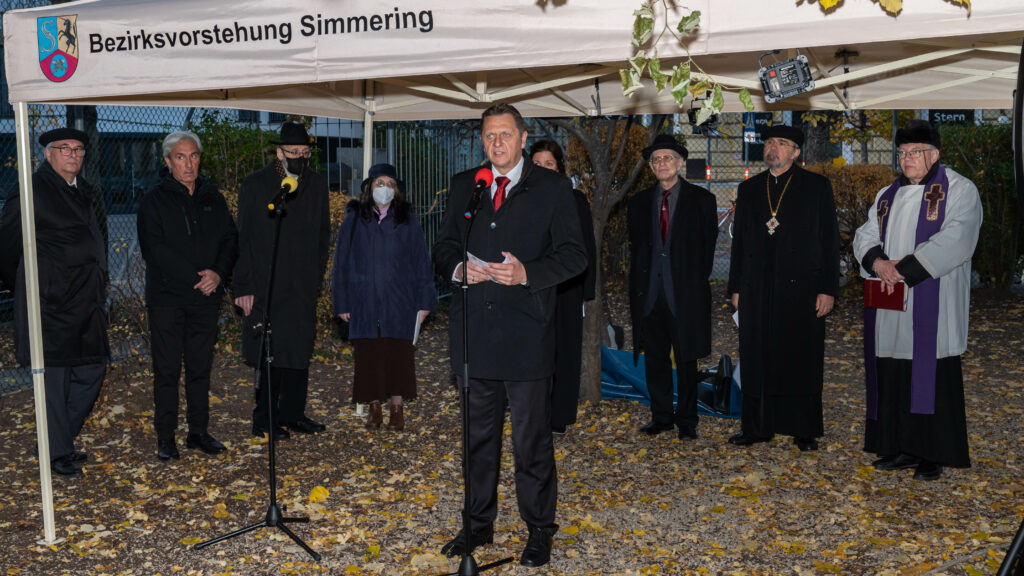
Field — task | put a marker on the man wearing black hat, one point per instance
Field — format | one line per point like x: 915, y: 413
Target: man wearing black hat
x: 302, y: 254
x: 919, y: 237
x: 672, y: 234
x: 72, y: 259
x: 783, y: 278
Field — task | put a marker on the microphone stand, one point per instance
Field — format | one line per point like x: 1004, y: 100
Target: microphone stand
x: 468, y: 565
x: 274, y: 516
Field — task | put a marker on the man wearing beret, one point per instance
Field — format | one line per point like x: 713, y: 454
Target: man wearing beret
x: 72, y: 260
x: 921, y: 233
x: 302, y: 252
x: 783, y: 279
x: 672, y: 234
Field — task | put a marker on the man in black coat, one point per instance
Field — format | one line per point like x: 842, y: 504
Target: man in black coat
x: 302, y: 253
x: 528, y: 231
x: 190, y: 244
x: 72, y: 259
x: 783, y: 278
x: 672, y: 233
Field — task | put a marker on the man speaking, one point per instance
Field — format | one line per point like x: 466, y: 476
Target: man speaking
x: 529, y: 241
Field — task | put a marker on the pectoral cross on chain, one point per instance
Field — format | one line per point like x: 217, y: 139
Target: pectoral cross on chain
x: 934, y: 195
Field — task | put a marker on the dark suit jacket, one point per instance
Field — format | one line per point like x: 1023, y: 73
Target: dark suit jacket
x: 692, y: 238
x: 511, y: 328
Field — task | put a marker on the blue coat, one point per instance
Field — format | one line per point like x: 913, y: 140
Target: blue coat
x: 382, y: 274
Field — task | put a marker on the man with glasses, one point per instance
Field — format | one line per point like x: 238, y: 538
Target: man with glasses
x: 921, y: 233
x: 783, y: 280
x: 72, y: 259
x: 302, y: 254
x: 672, y: 234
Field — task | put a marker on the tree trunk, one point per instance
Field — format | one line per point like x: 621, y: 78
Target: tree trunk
x: 593, y: 329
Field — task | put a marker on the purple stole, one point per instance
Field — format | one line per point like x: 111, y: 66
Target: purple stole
x: 926, y: 302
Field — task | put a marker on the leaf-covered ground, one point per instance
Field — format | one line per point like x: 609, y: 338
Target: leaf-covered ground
x: 383, y: 503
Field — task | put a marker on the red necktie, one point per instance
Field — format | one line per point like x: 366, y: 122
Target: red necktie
x: 499, y: 195
x: 663, y: 218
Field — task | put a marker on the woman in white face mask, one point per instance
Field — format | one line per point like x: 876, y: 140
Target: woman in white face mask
x: 383, y: 286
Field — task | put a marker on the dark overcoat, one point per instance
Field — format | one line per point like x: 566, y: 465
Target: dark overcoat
x: 180, y: 235
x: 692, y: 238
x: 382, y: 274
x: 779, y: 277
x: 303, y: 249
x: 72, y: 259
x: 511, y: 328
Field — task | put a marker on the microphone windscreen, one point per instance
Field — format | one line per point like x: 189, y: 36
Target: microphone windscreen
x: 485, y: 175
x: 290, y: 183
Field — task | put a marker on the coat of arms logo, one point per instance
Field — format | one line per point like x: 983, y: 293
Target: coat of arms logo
x: 58, y: 46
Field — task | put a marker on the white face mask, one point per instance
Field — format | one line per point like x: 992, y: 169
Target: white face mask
x: 383, y: 195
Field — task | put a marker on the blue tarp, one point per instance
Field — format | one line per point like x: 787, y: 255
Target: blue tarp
x: 621, y: 379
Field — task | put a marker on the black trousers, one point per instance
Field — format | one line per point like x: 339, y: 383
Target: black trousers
x: 288, y: 390
x: 71, y: 392
x: 534, y: 454
x: 179, y: 333
x: 658, y: 333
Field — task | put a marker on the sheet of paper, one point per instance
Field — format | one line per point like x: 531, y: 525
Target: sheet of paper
x: 736, y: 318
x: 416, y: 331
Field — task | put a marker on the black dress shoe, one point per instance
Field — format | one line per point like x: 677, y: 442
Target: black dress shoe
x: 305, y: 426
x: 742, y: 439
x: 654, y: 428
x: 885, y: 461
x: 900, y: 462
x: 204, y: 442
x: 927, y: 471
x: 167, y: 450
x: 279, y: 432
x: 457, y: 546
x: 806, y: 444
x: 79, y: 456
x: 538, y: 547
x: 65, y: 466
x: 686, y: 433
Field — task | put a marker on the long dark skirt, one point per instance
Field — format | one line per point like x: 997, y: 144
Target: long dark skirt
x: 939, y: 437
x: 384, y: 368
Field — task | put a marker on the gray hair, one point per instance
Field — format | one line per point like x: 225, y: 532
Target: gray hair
x: 174, y: 137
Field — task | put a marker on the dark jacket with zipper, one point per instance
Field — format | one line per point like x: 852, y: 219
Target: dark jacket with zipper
x: 72, y: 259
x: 180, y: 235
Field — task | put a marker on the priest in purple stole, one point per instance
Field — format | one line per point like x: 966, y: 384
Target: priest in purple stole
x: 783, y: 280
x: 921, y: 231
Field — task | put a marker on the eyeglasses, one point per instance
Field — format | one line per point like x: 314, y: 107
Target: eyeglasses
x: 779, y: 143
x: 66, y: 150
x: 297, y: 153
x: 667, y: 159
x: 915, y: 153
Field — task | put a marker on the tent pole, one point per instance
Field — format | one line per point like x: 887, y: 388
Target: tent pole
x: 35, y: 328
x: 367, y: 127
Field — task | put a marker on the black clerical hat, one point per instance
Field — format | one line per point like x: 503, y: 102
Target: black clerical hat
x: 790, y: 133
x: 665, y: 142
x: 63, y: 134
x: 293, y: 134
x: 918, y: 132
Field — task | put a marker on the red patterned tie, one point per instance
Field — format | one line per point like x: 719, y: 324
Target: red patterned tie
x: 499, y: 195
x: 663, y: 217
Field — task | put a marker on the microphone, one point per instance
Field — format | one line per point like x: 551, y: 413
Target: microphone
x: 482, y: 179
x: 288, y: 186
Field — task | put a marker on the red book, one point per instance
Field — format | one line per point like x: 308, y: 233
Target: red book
x: 876, y: 297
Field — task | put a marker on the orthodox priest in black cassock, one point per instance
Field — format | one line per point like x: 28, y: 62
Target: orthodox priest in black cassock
x: 783, y: 279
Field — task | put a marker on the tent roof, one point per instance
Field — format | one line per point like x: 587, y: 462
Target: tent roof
x: 455, y: 59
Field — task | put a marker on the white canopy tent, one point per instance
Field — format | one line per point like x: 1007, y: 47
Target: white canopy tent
x: 421, y: 59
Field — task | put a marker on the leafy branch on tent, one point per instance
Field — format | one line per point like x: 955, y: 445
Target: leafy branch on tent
x: 684, y: 79
x: 891, y: 7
